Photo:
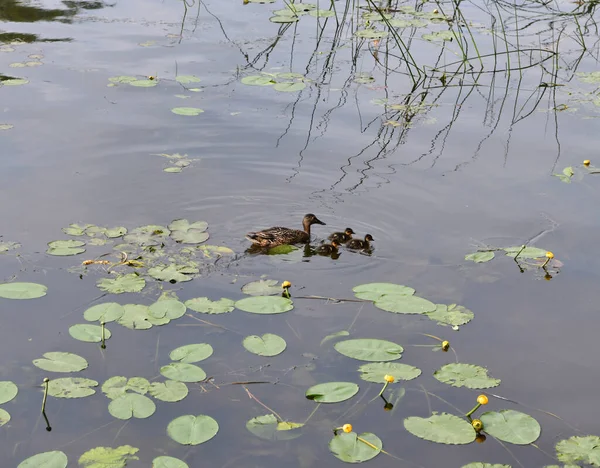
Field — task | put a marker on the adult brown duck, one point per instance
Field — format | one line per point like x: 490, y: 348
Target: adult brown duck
x: 274, y: 236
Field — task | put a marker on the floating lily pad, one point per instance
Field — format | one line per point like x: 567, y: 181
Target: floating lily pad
x: 480, y: 257
x: 438, y: 36
x: 186, y: 79
x: 105, y: 312
x: 192, y: 430
x: 54, y: 459
x: 71, y: 387
x: 144, y: 83
x: 14, y: 82
x: 122, y: 284
x: 527, y: 252
x: 169, y: 308
x: 8, y: 390
x: 258, y: 80
x: 268, y: 427
x: 349, y: 447
x: 465, y: 375
x: 332, y: 392
x: 488, y: 465
x: 107, y: 457
x: 168, y: 462
x: 206, y: 306
x: 118, y: 386
x: 333, y: 336
x: 266, y: 345
x: 322, y: 13
x: 191, y: 353
x: 407, y: 23
x: 8, y: 246
x: 147, y: 235
x: 189, y: 111
x: 282, y: 250
x: 65, y: 247
x: 376, y: 371
x: 115, y: 232
x: 22, y: 290
x: 511, y: 426
x: 136, y: 317
x: 132, y: 405
x: 579, y: 449
x: 283, y: 19
x: 185, y: 232
x: 453, y: 314
x: 89, y: 333
x: 441, y: 428
x: 265, y: 305
x: 262, y: 288
x: 404, y: 304
x: 369, y: 349
x: 4, y: 418
x: 211, y: 251
x: 371, y: 34
x: 6, y: 126
x: 58, y: 361
x: 183, y: 372
x: 173, y: 273
x: 122, y: 79
x: 75, y: 229
x: 375, y: 291
x: 289, y: 86
x: 170, y: 390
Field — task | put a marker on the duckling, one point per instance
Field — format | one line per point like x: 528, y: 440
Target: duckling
x: 342, y: 236
x: 275, y: 236
x: 359, y: 244
x: 328, y: 249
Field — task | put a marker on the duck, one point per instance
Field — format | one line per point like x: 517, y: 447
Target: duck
x: 274, y: 236
x: 328, y: 249
x: 360, y: 244
x: 342, y: 236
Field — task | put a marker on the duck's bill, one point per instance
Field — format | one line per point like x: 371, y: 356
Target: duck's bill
x: 318, y: 221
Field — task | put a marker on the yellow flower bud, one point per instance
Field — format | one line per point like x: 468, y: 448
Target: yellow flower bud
x: 436, y: 11
x: 586, y: 162
x: 347, y: 428
x: 286, y: 284
x: 477, y: 424
x: 388, y: 407
x: 389, y: 378
x: 482, y: 400
x: 549, y: 255
x: 445, y: 345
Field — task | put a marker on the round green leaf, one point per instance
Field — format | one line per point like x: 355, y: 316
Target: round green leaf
x: 122, y: 79
x: 511, y: 426
x: 136, y: 317
x: 376, y: 371
x: 108, y: 457
x: 147, y: 235
x: 527, y: 252
x: 113, y: 233
x: 404, y: 304
x: 262, y: 288
x: 89, y: 333
x: 206, y: 306
x: 173, y: 273
x: 265, y: 305
x: 268, y: 427
x: 14, y: 82
x: 453, y: 315
x: 332, y: 392
x: 192, y: 430
x: 105, y: 312
x: 258, y: 80
x: 132, y: 405
x: 441, y: 428
x: 349, y: 448
x: 54, y: 459
x: 65, y: 247
x: 170, y: 390
x: 168, y: 462
x: 169, y: 308
x: 191, y: 353
x: 289, y: 86
x: 71, y: 387
x: 118, y: 386
x: 369, y: 349
x: 485, y: 465
x: 266, y: 345
x: 322, y: 13
x: 370, y: 33
x: 144, y: 83
x: 579, y: 449
x: 283, y: 19
x: 186, y: 79
x: 8, y: 390
x: 465, y: 375
x: 61, y: 362
x: 4, y: 417
x: 22, y: 290
x: 187, y: 111
x: 183, y: 372
x: 480, y: 257
x: 122, y: 284
x: 374, y: 291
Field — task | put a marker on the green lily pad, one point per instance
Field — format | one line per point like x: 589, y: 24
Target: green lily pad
x: 107, y: 457
x: 262, y: 288
x: 122, y: 284
x: 485, y: 465
x: 579, y: 449
x: 147, y: 235
x: 258, y: 80
x: 168, y: 462
x: 266, y: 345
x: 349, y: 447
x: 453, y: 314
x: 4, y: 418
x: 527, y: 252
x: 186, y: 79
x: 71, y: 387
x: 404, y: 304
x: 65, y: 247
x: 22, y: 290
x: 322, y: 13
x: 144, y: 83
x: 333, y: 336
x: 88, y: 333
x: 105, y: 312
x: 136, y: 317
x: 8, y: 390
x: 169, y: 391
x: 54, y: 459
x: 438, y: 36
x: 480, y: 257
x: 113, y: 233
x: 375, y: 291
x: 369, y: 349
x: 376, y: 371
x: 191, y: 353
x: 192, y: 430
x: 94, y: 231
x: 132, y: 405
x: 211, y: 251
x: 371, y: 34
x: 58, y: 361
x: 74, y: 230
x: 8, y: 246
x: 289, y: 86
x: 441, y: 428
x: 332, y: 392
x: 14, y: 82
x: 265, y: 305
x: 188, y: 111
x: 465, y: 375
x: 268, y: 427
x: 169, y: 308
x: 189, y: 233
x: 5, y: 126
x: 173, y: 273
x: 206, y: 306
x: 122, y: 79
x: 511, y: 426
x: 282, y: 250
x: 118, y: 386
x: 183, y: 372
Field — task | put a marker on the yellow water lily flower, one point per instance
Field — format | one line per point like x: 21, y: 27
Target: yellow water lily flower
x: 286, y: 284
x: 445, y: 345
x: 347, y: 428
x: 586, y: 162
x: 482, y: 400
x: 549, y: 255
x: 389, y: 378
x: 477, y: 424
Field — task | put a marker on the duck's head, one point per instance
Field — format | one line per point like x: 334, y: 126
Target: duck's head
x: 311, y: 219
x: 369, y: 238
x: 349, y: 231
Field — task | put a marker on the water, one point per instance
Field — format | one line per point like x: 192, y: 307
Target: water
x: 474, y: 168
